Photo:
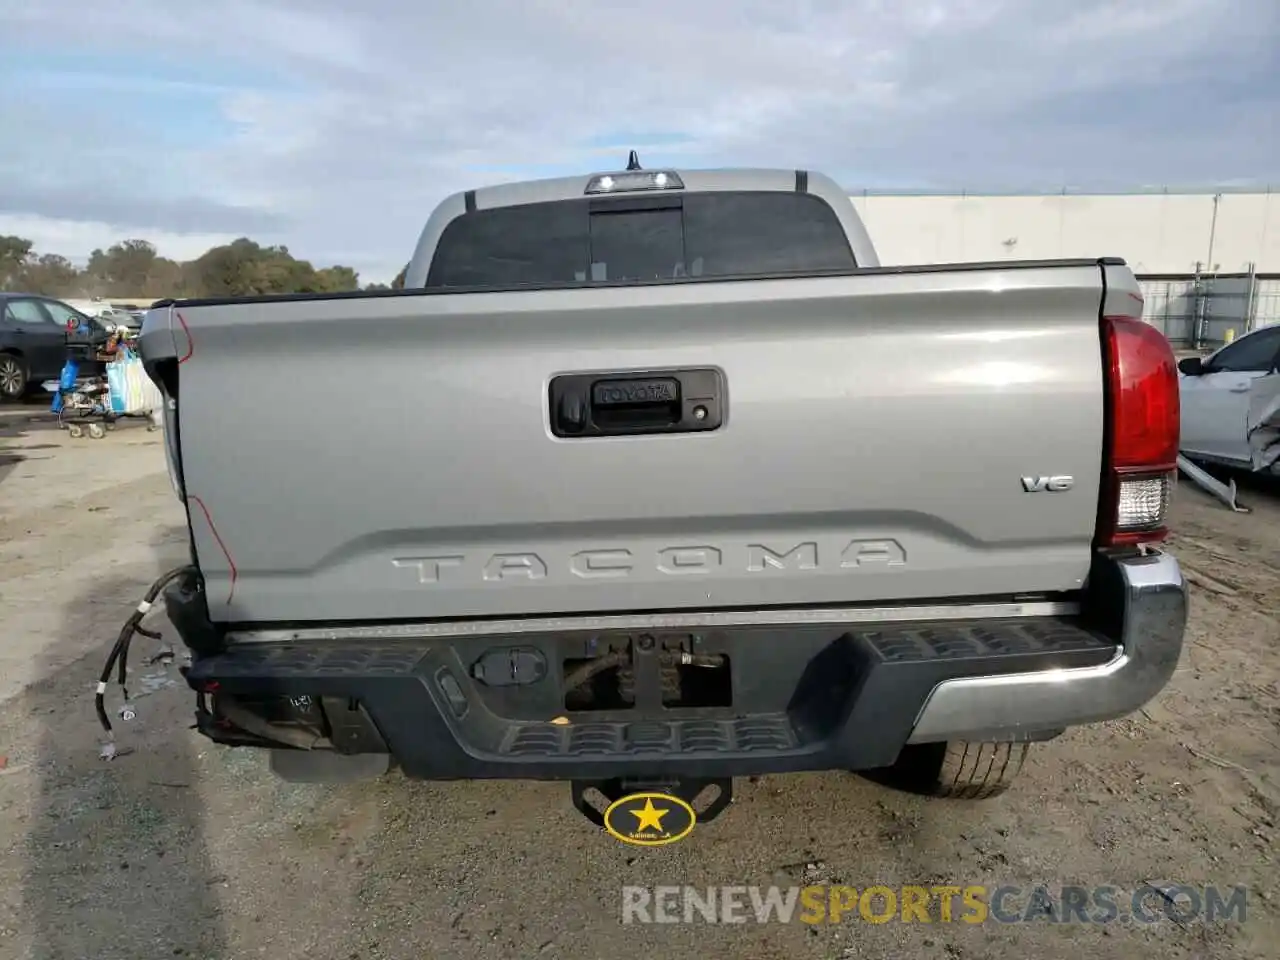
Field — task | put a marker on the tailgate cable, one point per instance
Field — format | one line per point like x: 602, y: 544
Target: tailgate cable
x: 119, y: 656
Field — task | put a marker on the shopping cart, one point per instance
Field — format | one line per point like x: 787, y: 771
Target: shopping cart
x: 94, y: 403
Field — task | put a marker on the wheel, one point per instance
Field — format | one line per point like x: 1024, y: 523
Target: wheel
x: 110, y: 424
x: 74, y: 431
x: 13, y: 377
x: 97, y: 431
x: 957, y: 770
x: 152, y: 428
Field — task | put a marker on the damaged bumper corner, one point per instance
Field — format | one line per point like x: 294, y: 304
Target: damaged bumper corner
x: 1226, y: 492
x: 1263, y: 428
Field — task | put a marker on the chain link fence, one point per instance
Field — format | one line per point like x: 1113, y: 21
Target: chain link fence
x: 1198, y: 312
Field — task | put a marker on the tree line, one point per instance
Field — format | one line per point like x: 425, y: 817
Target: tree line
x: 133, y: 268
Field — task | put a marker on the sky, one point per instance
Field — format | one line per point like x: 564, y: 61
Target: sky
x: 334, y: 128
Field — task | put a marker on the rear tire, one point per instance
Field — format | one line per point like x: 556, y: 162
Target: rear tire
x: 957, y: 770
x: 13, y: 377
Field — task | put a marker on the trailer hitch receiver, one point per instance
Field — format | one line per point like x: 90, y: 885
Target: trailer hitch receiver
x: 708, y: 797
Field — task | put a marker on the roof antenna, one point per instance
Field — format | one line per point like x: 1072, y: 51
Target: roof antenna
x: 633, y: 161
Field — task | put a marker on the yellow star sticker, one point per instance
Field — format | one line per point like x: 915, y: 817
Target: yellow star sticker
x: 650, y: 817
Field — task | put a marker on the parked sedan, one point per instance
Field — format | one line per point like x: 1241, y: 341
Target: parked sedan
x: 33, y: 346
x: 1231, y: 402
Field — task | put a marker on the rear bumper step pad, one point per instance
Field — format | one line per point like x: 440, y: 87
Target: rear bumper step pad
x: 806, y: 697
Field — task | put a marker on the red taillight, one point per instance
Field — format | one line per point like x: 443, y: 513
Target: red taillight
x: 1141, y: 432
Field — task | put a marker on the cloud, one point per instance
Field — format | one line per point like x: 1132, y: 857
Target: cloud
x: 335, y: 128
x: 75, y: 238
x: 184, y: 214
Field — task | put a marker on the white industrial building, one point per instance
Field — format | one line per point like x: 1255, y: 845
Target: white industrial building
x: 1157, y: 232
x: 1209, y: 261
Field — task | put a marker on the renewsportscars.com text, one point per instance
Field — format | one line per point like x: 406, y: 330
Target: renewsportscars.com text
x: 932, y: 904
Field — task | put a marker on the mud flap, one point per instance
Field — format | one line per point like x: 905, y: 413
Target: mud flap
x: 708, y: 798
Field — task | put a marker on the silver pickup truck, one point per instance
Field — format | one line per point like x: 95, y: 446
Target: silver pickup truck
x: 657, y: 478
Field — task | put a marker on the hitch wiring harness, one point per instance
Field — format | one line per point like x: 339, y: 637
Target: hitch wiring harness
x: 118, y: 658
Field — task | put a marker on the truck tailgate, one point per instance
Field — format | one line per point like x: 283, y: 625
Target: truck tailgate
x: 392, y: 458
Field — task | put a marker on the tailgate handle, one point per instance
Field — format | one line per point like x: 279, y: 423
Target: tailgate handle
x: 601, y: 404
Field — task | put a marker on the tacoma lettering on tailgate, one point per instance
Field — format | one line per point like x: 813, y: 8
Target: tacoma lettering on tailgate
x: 678, y: 561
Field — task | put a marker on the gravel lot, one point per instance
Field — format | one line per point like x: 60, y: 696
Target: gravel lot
x: 180, y: 848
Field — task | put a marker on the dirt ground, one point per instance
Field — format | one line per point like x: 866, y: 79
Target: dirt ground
x: 183, y: 849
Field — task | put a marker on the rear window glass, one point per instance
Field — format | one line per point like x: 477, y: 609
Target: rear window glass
x: 716, y: 234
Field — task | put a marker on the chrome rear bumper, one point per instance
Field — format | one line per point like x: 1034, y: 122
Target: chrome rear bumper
x: 1145, y: 601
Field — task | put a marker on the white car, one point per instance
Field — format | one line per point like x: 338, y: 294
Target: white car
x: 1230, y: 403
x: 106, y: 313
x: 120, y: 319
x: 90, y: 308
